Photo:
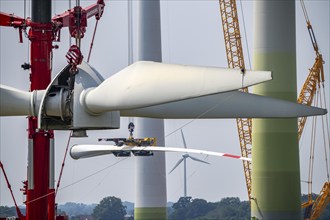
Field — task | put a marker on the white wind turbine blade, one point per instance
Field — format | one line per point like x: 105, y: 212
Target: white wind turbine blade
x: 145, y: 83
x: 198, y: 160
x: 91, y: 150
x: 177, y: 164
x: 85, y: 151
x: 15, y: 102
x: 161, y: 91
x: 184, y: 140
x: 233, y: 104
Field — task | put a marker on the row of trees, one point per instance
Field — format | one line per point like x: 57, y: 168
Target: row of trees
x: 227, y: 209
x: 199, y: 209
x: 185, y: 208
x: 109, y: 208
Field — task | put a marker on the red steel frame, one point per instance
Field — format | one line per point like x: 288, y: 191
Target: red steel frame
x: 40, y: 202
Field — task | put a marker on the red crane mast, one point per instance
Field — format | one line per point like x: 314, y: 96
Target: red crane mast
x: 43, y: 30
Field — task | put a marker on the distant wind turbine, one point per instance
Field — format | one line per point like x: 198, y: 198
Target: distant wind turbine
x: 184, y: 157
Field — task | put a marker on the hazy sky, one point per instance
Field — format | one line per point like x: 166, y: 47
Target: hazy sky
x: 191, y: 34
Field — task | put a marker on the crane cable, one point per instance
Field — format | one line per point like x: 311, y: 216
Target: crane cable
x: 70, y: 43
x: 325, y: 130
x: 63, y: 163
x: 326, y: 127
x: 68, y: 142
x: 321, y: 100
x: 326, y: 142
x: 92, y: 42
x: 130, y: 58
x: 245, y: 34
x: 311, y: 157
x: 310, y: 28
x: 78, y: 181
x: 304, y: 11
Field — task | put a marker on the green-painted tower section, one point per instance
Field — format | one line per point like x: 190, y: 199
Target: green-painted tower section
x: 275, y: 151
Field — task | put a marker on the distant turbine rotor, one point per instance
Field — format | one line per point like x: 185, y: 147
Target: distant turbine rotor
x: 184, y: 157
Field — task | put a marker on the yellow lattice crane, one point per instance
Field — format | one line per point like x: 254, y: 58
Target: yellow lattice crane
x: 306, y: 96
x: 315, y: 76
x: 315, y: 79
x: 321, y: 201
x: 235, y: 58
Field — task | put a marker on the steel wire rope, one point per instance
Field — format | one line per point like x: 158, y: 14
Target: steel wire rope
x: 325, y: 143
x: 168, y: 32
x: 96, y: 185
x: 198, y: 117
x: 327, y: 131
x: 245, y: 34
x: 63, y: 163
x: 303, y: 135
x: 70, y: 42
x: 24, y: 8
x: 92, y: 41
x: 311, y: 159
x: 312, y: 151
x: 304, y: 11
x: 130, y: 40
x: 301, y: 141
x: 129, y: 32
x: 79, y: 180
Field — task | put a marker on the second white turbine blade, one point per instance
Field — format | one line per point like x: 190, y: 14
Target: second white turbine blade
x: 92, y: 150
x: 183, y: 139
x: 198, y: 160
x: 233, y: 104
x: 177, y: 164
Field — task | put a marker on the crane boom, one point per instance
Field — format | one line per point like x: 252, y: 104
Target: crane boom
x: 306, y: 96
x: 235, y: 58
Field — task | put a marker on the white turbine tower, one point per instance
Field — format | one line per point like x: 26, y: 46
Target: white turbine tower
x: 184, y: 157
